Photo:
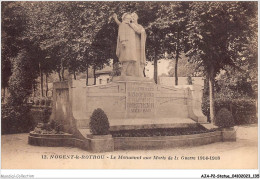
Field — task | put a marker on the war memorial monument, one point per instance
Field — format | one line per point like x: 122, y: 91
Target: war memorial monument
x: 131, y: 101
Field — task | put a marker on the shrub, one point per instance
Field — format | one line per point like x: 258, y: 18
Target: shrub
x: 46, y: 115
x: 235, y: 94
x: 205, y: 107
x: 16, y: 119
x: 57, y: 126
x: 46, y: 126
x: 52, y: 127
x: 99, y: 124
x: 224, y: 118
x: 42, y: 102
x: 243, y: 109
x: 48, y: 102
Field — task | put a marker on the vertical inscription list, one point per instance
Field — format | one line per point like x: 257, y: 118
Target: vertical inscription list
x: 140, y: 100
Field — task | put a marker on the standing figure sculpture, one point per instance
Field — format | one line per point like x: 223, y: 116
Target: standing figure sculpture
x: 131, y: 45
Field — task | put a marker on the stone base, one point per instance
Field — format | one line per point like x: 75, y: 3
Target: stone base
x: 164, y: 142
x: 57, y: 140
x: 105, y: 143
x: 229, y: 134
x: 140, y: 123
x: 101, y: 143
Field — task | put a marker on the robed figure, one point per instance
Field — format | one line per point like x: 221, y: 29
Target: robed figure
x: 131, y: 45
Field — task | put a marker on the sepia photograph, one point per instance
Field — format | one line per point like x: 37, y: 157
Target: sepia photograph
x: 129, y: 85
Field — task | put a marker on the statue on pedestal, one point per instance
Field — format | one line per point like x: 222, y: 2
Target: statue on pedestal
x: 131, y: 45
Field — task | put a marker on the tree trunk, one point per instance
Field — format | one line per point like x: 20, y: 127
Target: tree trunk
x: 41, y: 77
x: 87, y: 76
x: 74, y: 74
x: 3, y: 101
x: 176, y: 70
x: 42, y: 94
x: 177, y: 58
x: 34, y: 89
x: 211, y: 97
x: 62, y: 73
x: 94, y: 74
x: 47, y: 87
x: 155, y: 72
x: 62, y: 70
x: 59, y: 75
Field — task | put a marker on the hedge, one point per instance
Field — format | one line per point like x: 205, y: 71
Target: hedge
x: 224, y: 118
x: 242, y: 109
x: 16, y: 119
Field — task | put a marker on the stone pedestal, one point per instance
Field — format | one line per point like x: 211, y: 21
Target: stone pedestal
x: 125, y: 99
x: 128, y: 98
x: 61, y: 108
x: 229, y: 134
x: 101, y: 143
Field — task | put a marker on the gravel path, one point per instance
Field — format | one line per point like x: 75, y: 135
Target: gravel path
x: 242, y: 154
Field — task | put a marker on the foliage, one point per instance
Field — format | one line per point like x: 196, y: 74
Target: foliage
x: 74, y: 35
x: 16, y: 119
x: 234, y: 84
x: 22, y: 79
x: 19, y: 67
x: 56, y: 126
x: 208, y: 30
x: 185, y: 68
x: 48, y: 102
x: 234, y: 91
x: 13, y: 26
x: 243, y: 109
x: 172, y: 22
x: 219, y: 34
x: 205, y: 100
x: 46, y: 115
x: 99, y: 124
x: 6, y: 71
x: 52, y: 127
x: 224, y: 118
x: 42, y: 102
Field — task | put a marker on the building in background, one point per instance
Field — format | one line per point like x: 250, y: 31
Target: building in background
x: 104, y: 76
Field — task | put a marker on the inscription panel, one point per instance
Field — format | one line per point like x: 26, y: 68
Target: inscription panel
x: 140, y: 100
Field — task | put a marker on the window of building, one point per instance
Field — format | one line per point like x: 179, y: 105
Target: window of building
x: 100, y: 81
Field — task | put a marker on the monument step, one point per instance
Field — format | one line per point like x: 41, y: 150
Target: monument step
x: 128, y: 124
x: 209, y: 125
